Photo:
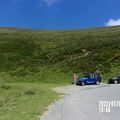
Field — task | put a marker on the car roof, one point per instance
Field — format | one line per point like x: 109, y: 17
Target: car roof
x: 92, y: 73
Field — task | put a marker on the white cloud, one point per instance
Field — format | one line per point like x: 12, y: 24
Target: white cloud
x: 50, y: 2
x: 113, y: 22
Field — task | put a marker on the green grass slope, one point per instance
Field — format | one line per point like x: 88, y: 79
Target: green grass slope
x: 34, y: 61
x: 25, y: 51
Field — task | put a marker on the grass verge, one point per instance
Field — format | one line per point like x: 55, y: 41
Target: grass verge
x: 25, y: 101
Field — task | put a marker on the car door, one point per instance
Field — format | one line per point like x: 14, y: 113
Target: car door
x: 92, y: 78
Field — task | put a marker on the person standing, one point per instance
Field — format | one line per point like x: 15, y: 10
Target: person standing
x: 75, y: 78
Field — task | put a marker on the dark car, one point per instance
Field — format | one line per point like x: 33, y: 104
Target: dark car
x: 114, y: 80
x: 89, y: 78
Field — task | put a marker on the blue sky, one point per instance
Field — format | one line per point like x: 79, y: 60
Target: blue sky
x: 59, y: 14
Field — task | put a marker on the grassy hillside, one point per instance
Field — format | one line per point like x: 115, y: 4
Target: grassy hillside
x: 26, y: 51
x: 33, y: 61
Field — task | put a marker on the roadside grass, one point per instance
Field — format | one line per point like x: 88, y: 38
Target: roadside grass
x: 25, y: 101
x: 27, y: 97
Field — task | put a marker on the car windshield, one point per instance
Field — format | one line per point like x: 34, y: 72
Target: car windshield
x: 91, y: 75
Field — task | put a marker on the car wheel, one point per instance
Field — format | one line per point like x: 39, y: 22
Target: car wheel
x: 82, y: 83
x: 76, y: 83
x: 115, y: 82
x: 97, y: 82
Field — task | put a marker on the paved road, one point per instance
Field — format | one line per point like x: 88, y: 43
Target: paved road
x: 82, y: 103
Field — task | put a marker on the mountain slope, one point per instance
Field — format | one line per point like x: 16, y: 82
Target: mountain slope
x: 27, y: 51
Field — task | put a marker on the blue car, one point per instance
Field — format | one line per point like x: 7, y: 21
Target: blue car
x: 89, y: 78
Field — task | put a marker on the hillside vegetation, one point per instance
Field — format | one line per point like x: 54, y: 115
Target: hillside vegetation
x: 34, y: 61
x: 26, y: 51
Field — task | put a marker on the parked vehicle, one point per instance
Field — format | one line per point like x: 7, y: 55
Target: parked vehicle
x: 114, y: 80
x: 89, y: 78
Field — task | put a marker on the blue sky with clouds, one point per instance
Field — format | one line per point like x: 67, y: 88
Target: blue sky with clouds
x: 59, y: 14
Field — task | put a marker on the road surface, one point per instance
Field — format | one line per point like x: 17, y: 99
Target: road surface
x: 82, y: 103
